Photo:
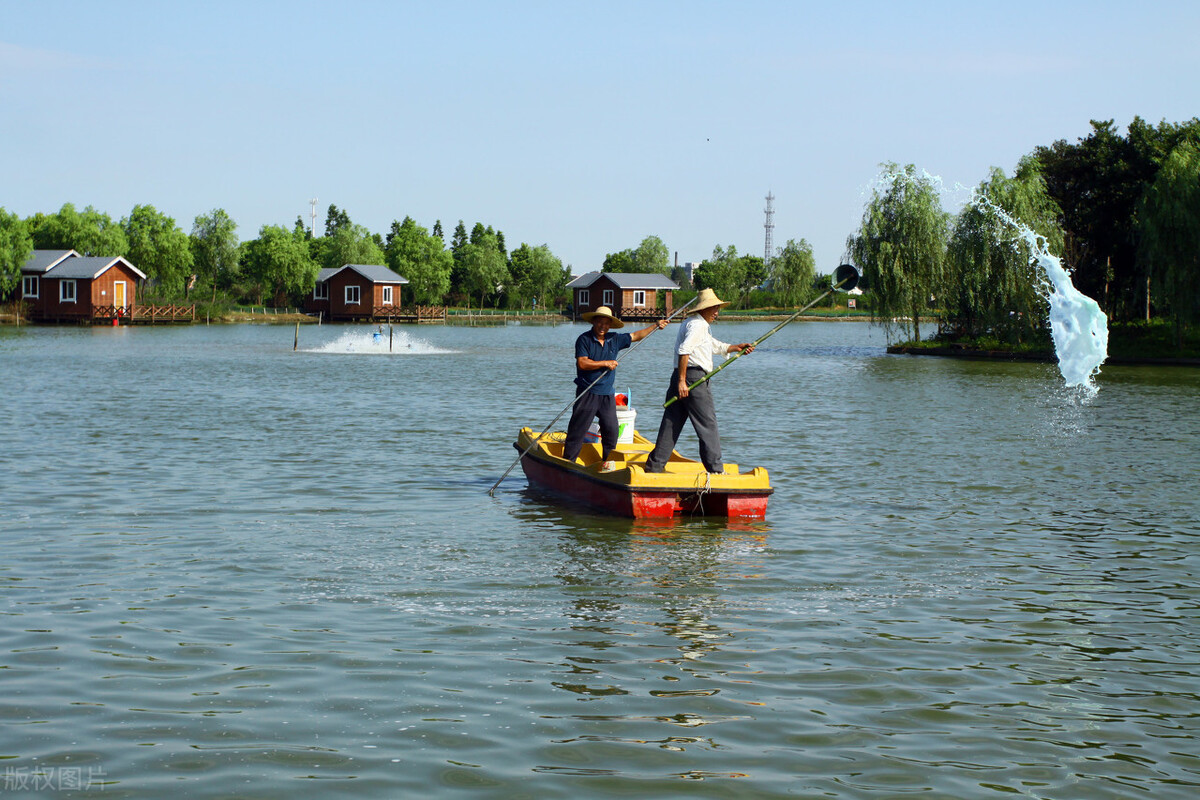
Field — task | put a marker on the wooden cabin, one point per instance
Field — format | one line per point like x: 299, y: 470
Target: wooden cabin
x: 631, y: 295
x: 63, y: 286
x: 356, y: 292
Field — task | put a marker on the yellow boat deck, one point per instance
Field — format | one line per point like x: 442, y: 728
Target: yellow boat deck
x: 630, y: 458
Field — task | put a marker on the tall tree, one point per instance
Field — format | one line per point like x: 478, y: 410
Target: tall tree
x: 1169, y: 223
x: 277, y: 264
x: 422, y: 259
x: 652, y: 256
x: 485, y: 266
x: 792, y: 271
x: 991, y: 279
x: 901, y: 247
x: 350, y: 244
x: 215, y: 248
x: 619, y: 262
x: 89, y: 232
x: 16, y: 246
x: 335, y: 220
x: 536, y: 274
x: 159, y: 248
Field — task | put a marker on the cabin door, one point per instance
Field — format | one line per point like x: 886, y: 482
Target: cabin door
x: 119, y: 294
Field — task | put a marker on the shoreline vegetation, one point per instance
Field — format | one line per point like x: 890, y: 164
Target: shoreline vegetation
x: 1129, y: 343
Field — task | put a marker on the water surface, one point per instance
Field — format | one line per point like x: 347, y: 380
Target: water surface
x: 231, y: 569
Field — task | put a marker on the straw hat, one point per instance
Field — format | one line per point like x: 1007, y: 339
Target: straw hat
x: 707, y: 299
x: 603, y: 311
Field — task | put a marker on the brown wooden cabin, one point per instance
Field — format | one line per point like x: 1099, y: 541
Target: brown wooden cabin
x: 356, y: 291
x: 63, y: 286
x: 631, y: 295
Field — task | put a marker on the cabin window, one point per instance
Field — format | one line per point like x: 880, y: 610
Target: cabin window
x: 29, y: 286
x: 321, y: 291
x: 387, y: 295
x: 353, y: 295
x: 66, y: 291
x: 639, y: 299
x: 608, y: 297
x: 584, y: 298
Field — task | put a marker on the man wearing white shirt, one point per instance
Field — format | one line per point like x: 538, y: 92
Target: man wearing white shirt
x: 694, y: 351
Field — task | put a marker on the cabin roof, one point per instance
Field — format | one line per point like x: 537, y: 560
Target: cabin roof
x: 625, y: 280
x: 372, y: 272
x: 44, y: 260
x: 88, y: 267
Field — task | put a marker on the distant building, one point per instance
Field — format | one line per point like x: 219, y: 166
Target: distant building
x: 630, y: 295
x: 356, y: 291
x: 63, y: 286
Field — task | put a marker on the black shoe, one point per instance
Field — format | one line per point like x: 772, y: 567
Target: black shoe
x: 655, y: 470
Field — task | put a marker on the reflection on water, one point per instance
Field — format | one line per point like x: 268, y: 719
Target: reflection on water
x: 243, y: 571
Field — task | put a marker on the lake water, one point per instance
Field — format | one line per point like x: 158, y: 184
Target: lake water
x: 234, y: 570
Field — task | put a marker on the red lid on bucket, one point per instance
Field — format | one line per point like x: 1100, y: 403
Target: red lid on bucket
x: 622, y: 400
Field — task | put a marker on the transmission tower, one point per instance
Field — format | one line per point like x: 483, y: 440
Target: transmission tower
x: 313, y: 228
x: 768, y: 248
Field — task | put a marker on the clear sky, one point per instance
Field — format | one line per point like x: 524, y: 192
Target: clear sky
x: 586, y: 126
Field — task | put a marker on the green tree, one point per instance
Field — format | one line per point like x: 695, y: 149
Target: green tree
x: 791, y: 273
x: 422, y: 258
x: 458, y: 251
x: 652, y: 256
x: 1169, y: 223
x: 159, y: 248
x: 730, y: 275
x: 1097, y: 183
x: 900, y: 247
x: 536, y: 273
x: 619, y: 262
x: 350, y: 244
x: 335, y: 220
x: 215, y: 248
x: 277, y: 264
x: 485, y: 266
x: 89, y: 232
x: 16, y: 246
x: 991, y: 280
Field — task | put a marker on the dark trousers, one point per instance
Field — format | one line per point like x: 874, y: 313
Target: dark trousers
x: 590, y: 406
x: 698, y: 407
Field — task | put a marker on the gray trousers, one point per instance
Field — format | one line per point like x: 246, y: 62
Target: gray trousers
x: 698, y: 407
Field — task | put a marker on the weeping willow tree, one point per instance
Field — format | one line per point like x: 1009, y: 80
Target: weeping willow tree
x: 991, y: 278
x: 1169, y: 223
x: 900, y: 248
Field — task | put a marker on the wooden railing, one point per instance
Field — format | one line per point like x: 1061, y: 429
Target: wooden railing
x: 137, y: 313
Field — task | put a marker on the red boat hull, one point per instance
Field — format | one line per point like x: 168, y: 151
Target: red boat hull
x: 640, y: 503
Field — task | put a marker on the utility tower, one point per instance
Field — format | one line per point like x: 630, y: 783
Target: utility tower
x: 768, y: 248
x: 312, y: 230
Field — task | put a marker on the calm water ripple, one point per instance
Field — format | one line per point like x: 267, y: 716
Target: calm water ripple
x: 234, y: 570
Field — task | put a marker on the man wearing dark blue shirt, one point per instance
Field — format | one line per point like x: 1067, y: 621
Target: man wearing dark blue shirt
x: 596, y: 349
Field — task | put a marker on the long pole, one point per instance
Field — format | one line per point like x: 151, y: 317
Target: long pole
x: 603, y: 372
x: 728, y: 361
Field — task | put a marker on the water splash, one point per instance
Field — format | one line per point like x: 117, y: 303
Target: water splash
x: 1077, y: 325
x: 375, y: 342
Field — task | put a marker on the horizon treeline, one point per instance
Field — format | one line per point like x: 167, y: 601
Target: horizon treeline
x: 1123, y: 213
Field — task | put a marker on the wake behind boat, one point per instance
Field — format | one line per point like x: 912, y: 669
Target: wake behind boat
x: 685, y: 487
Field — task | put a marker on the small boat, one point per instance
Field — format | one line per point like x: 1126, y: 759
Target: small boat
x: 685, y: 487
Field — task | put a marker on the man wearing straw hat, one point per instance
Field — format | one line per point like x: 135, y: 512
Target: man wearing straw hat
x: 596, y: 349
x: 694, y: 351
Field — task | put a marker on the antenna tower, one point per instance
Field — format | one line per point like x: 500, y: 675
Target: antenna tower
x: 313, y: 228
x: 768, y: 248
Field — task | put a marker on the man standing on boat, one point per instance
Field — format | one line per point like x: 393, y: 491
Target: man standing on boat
x: 596, y: 349
x: 694, y: 351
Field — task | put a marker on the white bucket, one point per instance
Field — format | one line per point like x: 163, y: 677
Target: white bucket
x: 625, y: 419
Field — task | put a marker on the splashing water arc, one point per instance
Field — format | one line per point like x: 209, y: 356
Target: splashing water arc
x: 1078, y: 326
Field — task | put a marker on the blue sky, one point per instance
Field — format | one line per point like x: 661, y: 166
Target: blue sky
x: 583, y: 126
